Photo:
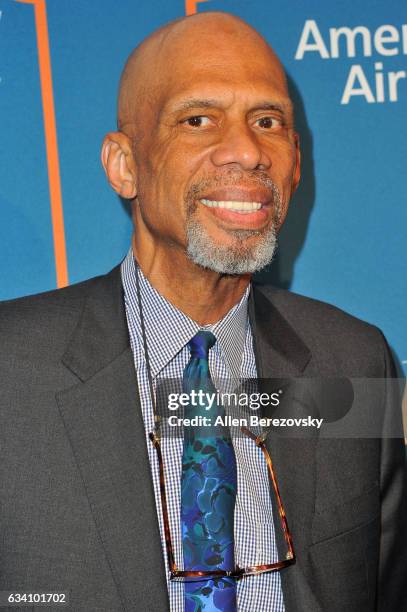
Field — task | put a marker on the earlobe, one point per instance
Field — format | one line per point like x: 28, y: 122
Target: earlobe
x: 118, y: 163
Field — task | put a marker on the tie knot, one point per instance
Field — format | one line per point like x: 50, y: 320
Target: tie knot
x: 200, y: 344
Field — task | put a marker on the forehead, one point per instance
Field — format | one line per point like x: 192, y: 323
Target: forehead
x: 208, y: 89
x: 225, y: 75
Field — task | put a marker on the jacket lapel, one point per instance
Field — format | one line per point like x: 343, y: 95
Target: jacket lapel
x: 281, y: 353
x: 103, y: 420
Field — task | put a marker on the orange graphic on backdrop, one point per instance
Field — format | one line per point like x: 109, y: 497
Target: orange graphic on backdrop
x: 191, y: 6
x: 57, y: 215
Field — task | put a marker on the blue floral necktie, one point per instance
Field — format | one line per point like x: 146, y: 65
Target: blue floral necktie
x: 208, y: 491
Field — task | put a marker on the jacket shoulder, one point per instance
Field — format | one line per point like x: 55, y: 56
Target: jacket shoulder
x: 53, y: 313
x: 59, y: 296
x: 306, y: 309
x: 332, y: 334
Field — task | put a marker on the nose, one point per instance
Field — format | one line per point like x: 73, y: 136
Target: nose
x: 239, y: 145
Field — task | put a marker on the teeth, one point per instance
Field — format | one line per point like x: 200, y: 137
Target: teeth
x: 232, y: 205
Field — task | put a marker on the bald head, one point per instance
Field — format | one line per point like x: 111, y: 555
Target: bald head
x: 186, y: 47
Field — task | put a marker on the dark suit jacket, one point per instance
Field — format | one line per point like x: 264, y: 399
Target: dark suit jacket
x: 78, y: 511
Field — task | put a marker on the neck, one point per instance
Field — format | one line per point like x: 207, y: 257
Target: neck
x: 203, y: 295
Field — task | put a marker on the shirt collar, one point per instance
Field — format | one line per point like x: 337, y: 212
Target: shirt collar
x: 168, y: 329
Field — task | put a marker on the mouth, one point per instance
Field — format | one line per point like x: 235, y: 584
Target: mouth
x: 240, y: 209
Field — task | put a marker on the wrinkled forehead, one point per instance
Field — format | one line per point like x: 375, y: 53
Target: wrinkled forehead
x: 233, y: 72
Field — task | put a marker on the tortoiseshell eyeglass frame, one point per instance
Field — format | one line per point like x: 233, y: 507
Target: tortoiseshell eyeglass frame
x: 238, y: 573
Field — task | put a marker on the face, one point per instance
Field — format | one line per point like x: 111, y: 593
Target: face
x: 217, y: 163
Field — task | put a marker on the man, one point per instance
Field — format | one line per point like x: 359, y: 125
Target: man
x: 207, y: 153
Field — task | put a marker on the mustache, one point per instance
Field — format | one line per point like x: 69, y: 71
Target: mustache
x: 231, y: 178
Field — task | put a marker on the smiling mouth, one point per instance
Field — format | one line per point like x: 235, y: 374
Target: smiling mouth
x: 233, y: 205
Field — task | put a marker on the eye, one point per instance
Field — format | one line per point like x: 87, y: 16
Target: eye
x: 197, y: 121
x: 268, y: 122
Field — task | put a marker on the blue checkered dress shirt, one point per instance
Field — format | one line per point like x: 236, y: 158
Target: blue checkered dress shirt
x: 168, y: 331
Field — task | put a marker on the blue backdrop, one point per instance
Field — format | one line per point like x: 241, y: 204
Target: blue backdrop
x: 344, y: 239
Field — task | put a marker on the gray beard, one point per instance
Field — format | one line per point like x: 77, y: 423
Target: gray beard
x: 237, y: 259
x: 240, y: 258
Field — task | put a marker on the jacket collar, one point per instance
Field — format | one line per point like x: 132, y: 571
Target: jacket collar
x: 102, y: 334
x: 279, y: 349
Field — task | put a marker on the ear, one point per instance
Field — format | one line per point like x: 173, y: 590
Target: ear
x: 118, y: 163
x: 297, y: 169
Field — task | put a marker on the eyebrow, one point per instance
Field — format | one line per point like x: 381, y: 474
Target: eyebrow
x: 282, y: 107
x: 195, y: 103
